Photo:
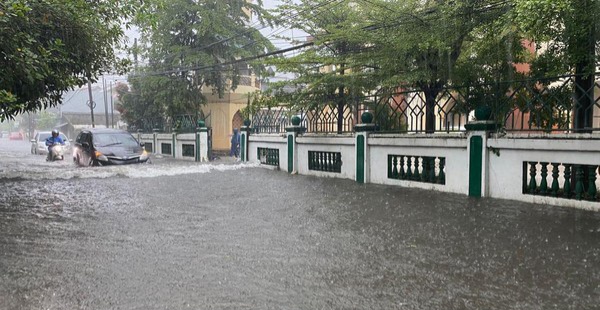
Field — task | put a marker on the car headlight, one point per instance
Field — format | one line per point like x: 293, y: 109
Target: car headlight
x: 101, y: 156
x: 144, y: 155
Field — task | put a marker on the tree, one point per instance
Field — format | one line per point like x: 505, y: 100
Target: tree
x: 192, y: 46
x: 50, y: 46
x: 568, y: 36
x: 327, y: 78
x: 388, y: 44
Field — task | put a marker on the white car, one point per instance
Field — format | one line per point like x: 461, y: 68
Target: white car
x: 38, y: 143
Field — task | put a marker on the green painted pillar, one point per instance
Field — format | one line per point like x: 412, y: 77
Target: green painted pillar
x: 139, y: 135
x: 174, y: 144
x: 360, y: 157
x: 475, y: 165
x: 362, y: 147
x: 478, y: 156
x: 292, y: 147
x: 154, y: 141
x: 197, y: 153
x: 244, y: 138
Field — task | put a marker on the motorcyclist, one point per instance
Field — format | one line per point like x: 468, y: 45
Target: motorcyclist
x: 51, y: 141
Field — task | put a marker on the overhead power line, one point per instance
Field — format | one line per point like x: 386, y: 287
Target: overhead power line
x: 241, y: 60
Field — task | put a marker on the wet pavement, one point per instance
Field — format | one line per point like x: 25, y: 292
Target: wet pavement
x: 182, y: 235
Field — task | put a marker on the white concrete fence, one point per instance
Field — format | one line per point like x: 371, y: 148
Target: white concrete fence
x: 475, y: 163
x: 186, y: 146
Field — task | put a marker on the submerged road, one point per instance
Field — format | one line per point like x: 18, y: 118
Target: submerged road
x: 182, y: 235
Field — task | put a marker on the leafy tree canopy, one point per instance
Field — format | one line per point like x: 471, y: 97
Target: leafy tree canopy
x: 189, y: 47
x: 50, y: 46
x: 375, y: 44
x: 387, y: 44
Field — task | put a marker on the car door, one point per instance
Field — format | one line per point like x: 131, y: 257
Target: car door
x: 82, y: 144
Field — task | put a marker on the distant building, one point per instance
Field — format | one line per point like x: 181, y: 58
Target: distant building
x: 74, y: 114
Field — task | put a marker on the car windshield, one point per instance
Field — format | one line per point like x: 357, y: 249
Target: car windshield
x: 108, y: 139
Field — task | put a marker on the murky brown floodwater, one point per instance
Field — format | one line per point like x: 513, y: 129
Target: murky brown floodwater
x: 187, y: 236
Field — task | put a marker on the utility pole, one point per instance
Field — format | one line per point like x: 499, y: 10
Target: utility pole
x: 91, y: 103
x: 112, y: 107
x: 105, y: 101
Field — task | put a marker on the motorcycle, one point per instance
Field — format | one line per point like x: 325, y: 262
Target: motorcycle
x: 56, y: 152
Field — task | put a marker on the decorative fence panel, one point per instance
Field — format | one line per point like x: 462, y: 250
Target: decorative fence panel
x: 555, y: 104
x: 417, y: 168
x: 325, y: 161
x: 268, y: 156
x: 188, y: 150
x: 166, y: 148
x: 148, y: 147
x: 561, y: 180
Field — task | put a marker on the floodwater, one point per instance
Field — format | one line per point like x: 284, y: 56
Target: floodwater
x: 182, y: 235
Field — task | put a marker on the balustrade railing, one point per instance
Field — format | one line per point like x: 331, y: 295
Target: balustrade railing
x: 188, y: 150
x: 417, y: 168
x: 165, y: 148
x: 325, y: 161
x: 268, y: 156
x: 561, y: 180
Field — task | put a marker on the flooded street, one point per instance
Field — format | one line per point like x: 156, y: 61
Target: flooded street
x: 184, y: 235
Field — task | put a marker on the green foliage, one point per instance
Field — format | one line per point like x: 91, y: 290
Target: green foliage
x: 364, y: 46
x: 428, y: 45
x: 326, y: 73
x: 191, y: 47
x: 140, y: 100
x: 567, y: 33
x: 51, y: 46
x: 45, y: 120
x: 547, y: 104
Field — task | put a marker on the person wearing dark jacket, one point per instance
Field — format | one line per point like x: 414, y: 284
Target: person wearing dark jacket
x: 235, y: 143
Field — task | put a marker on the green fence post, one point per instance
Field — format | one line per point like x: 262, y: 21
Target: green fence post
x: 362, y: 147
x: 197, y: 153
x: 154, y: 140
x: 244, y: 138
x: 478, y: 156
x: 292, y: 147
x: 139, y: 135
x: 174, y: 144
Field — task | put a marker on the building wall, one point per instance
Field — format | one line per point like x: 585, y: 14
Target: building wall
x: 222, y: 112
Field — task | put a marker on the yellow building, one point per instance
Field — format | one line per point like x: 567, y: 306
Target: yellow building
x: 225, y: 112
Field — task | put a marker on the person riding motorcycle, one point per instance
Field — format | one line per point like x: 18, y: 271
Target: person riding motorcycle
x: 51, y: 141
